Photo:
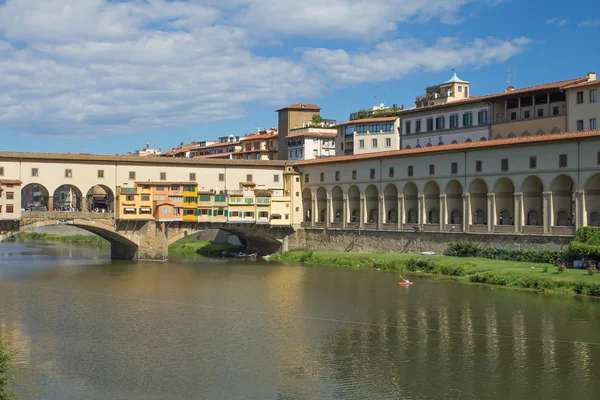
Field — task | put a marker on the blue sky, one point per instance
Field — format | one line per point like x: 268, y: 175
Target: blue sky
x: 100, y: 76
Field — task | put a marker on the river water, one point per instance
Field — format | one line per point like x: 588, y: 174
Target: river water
x: 89, y: 328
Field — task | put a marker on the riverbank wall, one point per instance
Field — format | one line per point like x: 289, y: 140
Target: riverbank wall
x: 373, y: 241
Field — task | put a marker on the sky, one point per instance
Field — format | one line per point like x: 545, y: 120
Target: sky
x: 109, y: 76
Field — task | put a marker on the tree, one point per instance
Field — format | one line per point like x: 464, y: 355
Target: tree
x: 317, y: 119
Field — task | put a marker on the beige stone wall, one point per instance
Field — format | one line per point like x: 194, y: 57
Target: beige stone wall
x: 546, y: 124
x: 585, y: 111
x: 15, y: 202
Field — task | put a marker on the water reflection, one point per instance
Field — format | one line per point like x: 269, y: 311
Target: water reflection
x: 95, y: 329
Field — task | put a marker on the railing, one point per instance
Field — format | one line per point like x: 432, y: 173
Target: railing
x: 431, y: 227
x: 533, y: 229
x: 563, y: 230
x: 390, y: 226
x: 478, y: 228
x: 371, y: 226
x: 504, y: 228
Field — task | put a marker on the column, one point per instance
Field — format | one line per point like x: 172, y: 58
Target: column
x: 363, y: 210
x: 421, y: 210
x: 505, y: 111
x: 313, y: 213
x: 401, y: 217
x: 328, y: 213
x: 83, y: 203
x: 580, y: 209
x: 50, y: 203
x: 519, y: 213
x: 381, y: 212
x: 345, y: 212
x: 443, y: 211
x: 519, y: 109
x: 547, y: 211
x: 466, y: 221
x: 491, y: 211
x: 533, y: 113
x: 548, y: 102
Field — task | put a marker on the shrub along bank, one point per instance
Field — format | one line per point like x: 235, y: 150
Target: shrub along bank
x: 195, y: 246
x: 538, y: 276
x: 91, y: 240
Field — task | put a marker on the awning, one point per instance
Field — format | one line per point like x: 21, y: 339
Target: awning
x: 130, y: 209
x: 146, y: 209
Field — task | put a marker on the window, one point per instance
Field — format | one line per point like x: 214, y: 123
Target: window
x: 10, y: 208
x: 374, y: 143
x: 454, y: 121
x: 1, y: 171
x: 349, y: 130
x: 35, y: 172
x: 131, y: 197
x: 454, y: 168
x: 322, y: 176
x: 361, y: 129
x: 391, y: 172
x: 418, y: 126
x: 527, y: 114
x: 460, y: 88
x: 562, y: 161
x: 10, y: 195
x: 478, y: 166
x: 429, y: 124
x: 248, y: 177
x: 580, y: 125
x: 431, y: 169
x: 68, y: 173
x: 372, y: 173
x: 361, y: 144
x: 306, y: 178
x: 407, y: 128
x: 482, y: 117
x: 504, y: 164
x: 100, y: 173
x: 467, y: 119
x: 540, y: 112
x: 593, y: 123
x: 410, y: 170
x: 145, y: 197
x: 221, y: 177
x: 275, y: 178
x: 192, y: 176
x: 387, y: 127
x: 163, y: 176
x: 579, y: 97
x: 373, y: 128
x: 532, y: 162
x: 337, y: 175
x: 513, y: 116
x: 315, y: 152
x: 132, y: 175
x: 439, y: 122
x: 354, y: 175
x: 555, y: 110
x: 388, y: 142
x: 593, y: 96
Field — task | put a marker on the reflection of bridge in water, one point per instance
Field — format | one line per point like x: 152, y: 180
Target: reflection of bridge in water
x: 150, y: 240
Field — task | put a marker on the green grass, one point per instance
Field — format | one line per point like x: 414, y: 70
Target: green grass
x: 474, y: 269
x: 91, y: 240
x: 195, y: 246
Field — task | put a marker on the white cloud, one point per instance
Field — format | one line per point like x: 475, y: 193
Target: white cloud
x: 557, y: 21
x: 590, y: 23
x: 94, y: 67
x: 551, y: 21
x: 396, y: 59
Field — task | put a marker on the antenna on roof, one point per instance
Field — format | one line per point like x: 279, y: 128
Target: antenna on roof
x: 508, y: 76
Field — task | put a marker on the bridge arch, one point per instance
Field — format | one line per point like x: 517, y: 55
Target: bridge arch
x: 101, y: 198
x: 35, y: 196
x: 68, y: 198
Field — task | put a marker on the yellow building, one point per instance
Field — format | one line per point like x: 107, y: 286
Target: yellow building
x: 190, y: 202
x: 134, y: 203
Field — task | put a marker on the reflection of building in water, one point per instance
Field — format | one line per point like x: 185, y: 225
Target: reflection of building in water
x: 12, y: 337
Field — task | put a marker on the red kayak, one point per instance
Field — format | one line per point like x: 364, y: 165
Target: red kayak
x: 405, y: 284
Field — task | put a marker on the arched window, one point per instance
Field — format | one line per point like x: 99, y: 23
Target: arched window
x: 512, y: 135
x: 412, y: 217
x: 455, y: 217
x: 533, y: 218
x: 433, y: 217
x: 563, y: 219
x: 594, y: 219
x: 479, y: 218
x: 505, y: 218
x: 391, y: 216
x: 482, y: 139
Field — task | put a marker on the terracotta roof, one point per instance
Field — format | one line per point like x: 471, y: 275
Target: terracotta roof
x: 456, y: 147
x: 164, y: 183
x: 545, y: 86
x: 214, y: 145
x: 588, y: 83
x: 217, y: 155
x: 205, y: 192
x: 360, y: 121
x: 260, y: 136
x: 162, y: 203
x: 301, y: 106
x: 312, y: 134
x: 248, y: 183
x: 10, y: 182
x: 126, y: 160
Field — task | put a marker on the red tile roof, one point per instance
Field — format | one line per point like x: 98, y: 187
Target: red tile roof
x: 456, y: 147
x: 260, y: 136
x: 312, y: 134
x: 545, y: 86
x: 301, y: 106
x: 10, y: 182
x: 380, y: 119
x: 216, y: 155
x: 588, y: 83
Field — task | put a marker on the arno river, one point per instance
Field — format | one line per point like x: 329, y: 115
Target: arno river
x: 89, y: 328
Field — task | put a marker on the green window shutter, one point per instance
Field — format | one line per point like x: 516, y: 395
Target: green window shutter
x: 210, y: 212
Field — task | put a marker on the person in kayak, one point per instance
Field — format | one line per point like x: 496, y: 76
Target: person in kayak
x: 405, y: 280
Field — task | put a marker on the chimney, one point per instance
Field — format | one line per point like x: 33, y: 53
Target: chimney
x: 147, y: 146
x: 510, y: 88
x: 591, y: 76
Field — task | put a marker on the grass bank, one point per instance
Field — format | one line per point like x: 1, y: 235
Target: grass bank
x: 91, y: 240
x: 195, y: 246
x: 526, y: 275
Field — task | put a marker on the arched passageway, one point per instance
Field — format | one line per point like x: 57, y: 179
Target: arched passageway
x: 411, y: 204
x: 454, y: 201
x: 354, y: 205
x: 35, y: 197
x: 479, y: 200
x: 432, y: 203
x: 322, y: 205
x: 592, y: 200
x: 533, y: 201
x: 372, y: 199
x: 307, y: 205
x: 390, y: 199
x: 100, y: 198
x: 337, y: 198
x: 563, y: 201
x: 505, y: 195
x: 68, y: 198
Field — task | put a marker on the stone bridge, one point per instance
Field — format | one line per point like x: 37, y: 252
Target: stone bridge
x: 150, y: 240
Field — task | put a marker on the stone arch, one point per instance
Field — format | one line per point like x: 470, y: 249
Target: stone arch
x: 100, y: 198
x: 592, y: 200
x: 505, y: 193
x: 67, y: 198
x: 540, y: 132
x: 454, y: 200
x: 372, y: 200
x: 307, y: 199
x: 454, y: 142
x: 563, y: 198
x: 498, y: 136
x: 533, y: 190
x: 337, y: 199
x: 525, y: 133
x: 432, y: 202
x: 35, y: 197
x: 483, y: 139
x: 479, y: 192
x: 321, y: 205
x: 512, y: 135
x: 390, y: 200
x: 411, y: 205
x: 354, y: 204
